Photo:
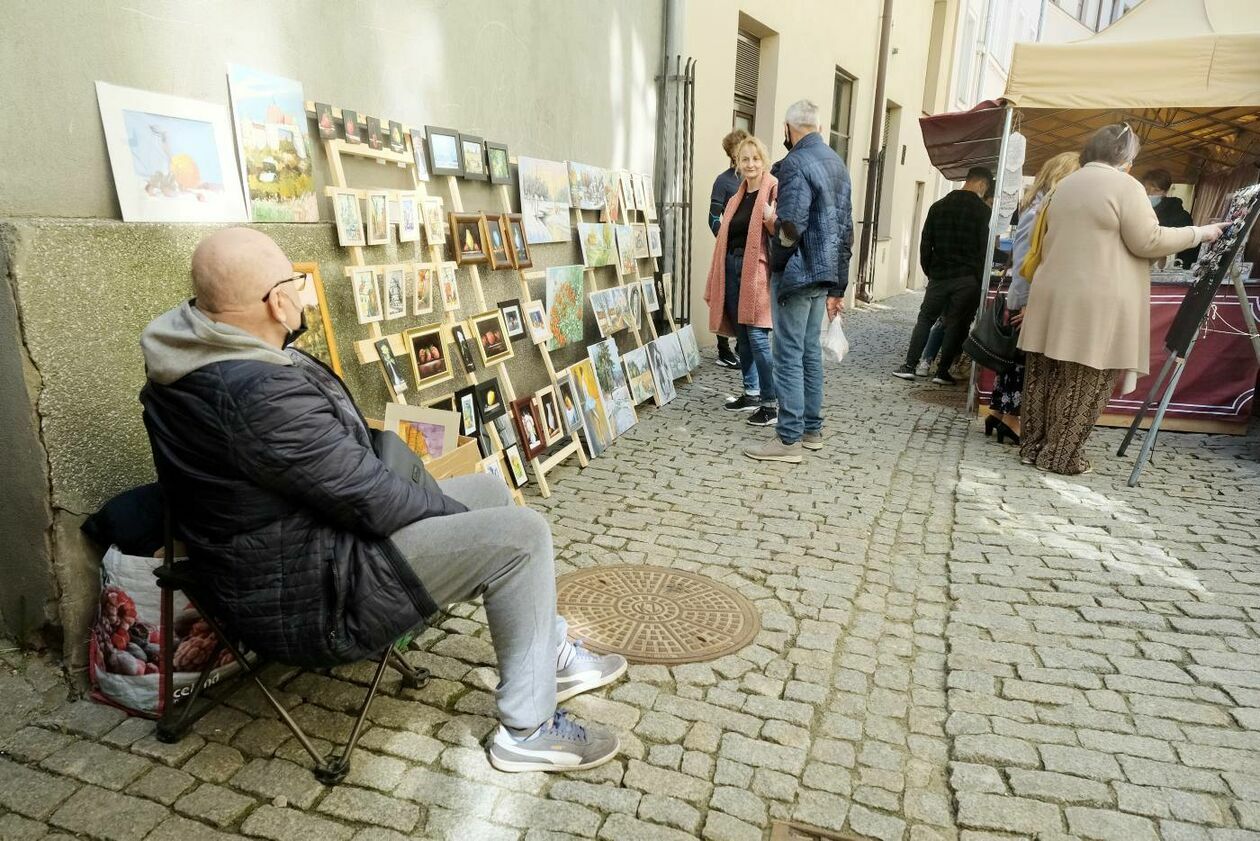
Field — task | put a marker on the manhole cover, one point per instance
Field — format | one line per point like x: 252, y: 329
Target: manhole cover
x: 655, y: 615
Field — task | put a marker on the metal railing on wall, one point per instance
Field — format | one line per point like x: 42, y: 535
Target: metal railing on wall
x: 675, y: 144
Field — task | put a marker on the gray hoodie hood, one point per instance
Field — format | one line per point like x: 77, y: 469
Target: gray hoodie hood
x: 184, y: 339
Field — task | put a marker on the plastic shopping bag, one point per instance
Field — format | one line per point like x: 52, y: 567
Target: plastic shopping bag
x: 834, y: 343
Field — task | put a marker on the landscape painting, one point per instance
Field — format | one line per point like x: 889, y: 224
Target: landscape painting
x: 588, y: 185
x: 614, y: 389
x: 274, y: 145
x: 545, y: 200
x: 598, y: 246
x: 564, y: 305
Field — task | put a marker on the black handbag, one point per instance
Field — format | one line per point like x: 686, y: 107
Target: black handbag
x: 993, y: 341
x: 399, y: 458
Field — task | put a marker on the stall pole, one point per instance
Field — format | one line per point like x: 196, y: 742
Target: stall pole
x: 988, y: 250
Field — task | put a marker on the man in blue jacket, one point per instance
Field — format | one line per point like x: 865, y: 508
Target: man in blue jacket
x: 306, y: 545
x: 809, y: 261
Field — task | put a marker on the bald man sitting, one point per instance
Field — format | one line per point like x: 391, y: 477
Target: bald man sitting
x: 307, y: 546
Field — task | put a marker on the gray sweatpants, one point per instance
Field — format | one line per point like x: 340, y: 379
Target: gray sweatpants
x: 502, y: 552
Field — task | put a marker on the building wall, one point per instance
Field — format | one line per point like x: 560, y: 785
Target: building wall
x: 803, y: 43
x: 77, y: 286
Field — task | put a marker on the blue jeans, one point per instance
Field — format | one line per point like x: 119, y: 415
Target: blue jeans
x: 798, y: 375
x: 935, y: 339
x: 751, y: 373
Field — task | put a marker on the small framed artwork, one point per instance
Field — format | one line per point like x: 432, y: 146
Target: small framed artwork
x: 367, y: 294
x: 466, y: 405
x: 649, y: 195
x: 549, y: 413
x: 528, y: 426
x: 516, y: 466
x: 396, y: 142
x: 395, y: 291
x: 494, y: 235
x: 516, y: 237
x: 473, y: 157
x: 429, y: 433
x: 417, y: 155
x: 319, y: 340
x: 493, y: 465
x: 513, y: 320
x: 445, y: 404
x: 450, y: 288
x: 470, y: 247
x: 627, y: 191
x: 655, y: 248
x: 324, y: 121
x: 349, y: 218
x: 491, y: 336
x: 429, y: 361
x: 625, y: 247
x: 350, y: 126
x: 599, y: 307
x: 650, y: 302
x: 377, y: 217
x: 390, y: 367
x: 422, y: 289
x: 639, y: 375
x: 489, y: 400
x: 444, y: 154
x: 667, y: 287
x: 640, y: 195
x: 408, y: 217
x: 463, y: 344
x: 497, y: 155
x: 536, y: 322
x: 434, y: 221
x: 634, y: 302
x: 641, y: 250
x: 375, y: 138
x: 570, y: 413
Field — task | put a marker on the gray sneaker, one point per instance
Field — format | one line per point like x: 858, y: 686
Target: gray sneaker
x: 812, y: 440
x: 561, y: 744
x: 775, y: 450
x: 587, y: 671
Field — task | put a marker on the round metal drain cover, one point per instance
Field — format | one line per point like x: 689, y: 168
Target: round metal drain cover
x: 652, y: 614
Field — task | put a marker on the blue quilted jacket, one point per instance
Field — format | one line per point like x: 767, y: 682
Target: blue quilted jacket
x: 815, y: 227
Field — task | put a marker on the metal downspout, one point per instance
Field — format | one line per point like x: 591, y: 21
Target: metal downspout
x: 865, y: 282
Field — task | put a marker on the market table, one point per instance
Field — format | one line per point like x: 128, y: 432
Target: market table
x: 1217, y: 390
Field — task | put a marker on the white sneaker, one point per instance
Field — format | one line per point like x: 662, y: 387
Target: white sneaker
x: 923, y: 368
x: 561, y: 744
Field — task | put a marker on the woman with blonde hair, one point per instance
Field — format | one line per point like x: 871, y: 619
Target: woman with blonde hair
x: 738, y: 286
x: 1009, y: 385
x: 1088, y: 319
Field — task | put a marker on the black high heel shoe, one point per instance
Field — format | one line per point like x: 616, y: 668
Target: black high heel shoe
x: 1004, y: 432
x: 991, y: 423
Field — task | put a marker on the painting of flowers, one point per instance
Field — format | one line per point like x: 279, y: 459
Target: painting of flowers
x: 564, y: 305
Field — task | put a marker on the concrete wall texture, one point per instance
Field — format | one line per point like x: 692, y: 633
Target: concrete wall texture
x: 562, y: 80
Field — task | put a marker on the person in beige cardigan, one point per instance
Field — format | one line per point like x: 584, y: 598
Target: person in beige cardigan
x: 1088, y: 314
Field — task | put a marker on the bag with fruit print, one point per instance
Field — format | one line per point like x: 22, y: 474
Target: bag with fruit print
x: 125, y: 654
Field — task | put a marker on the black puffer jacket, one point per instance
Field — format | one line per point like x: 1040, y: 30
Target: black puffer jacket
x: 286, y: 510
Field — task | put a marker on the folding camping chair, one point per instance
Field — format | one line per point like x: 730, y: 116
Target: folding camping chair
x: 180, y: 713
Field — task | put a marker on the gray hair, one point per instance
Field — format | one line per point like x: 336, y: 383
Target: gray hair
x: 1115, y: 144
x: 802, y: 114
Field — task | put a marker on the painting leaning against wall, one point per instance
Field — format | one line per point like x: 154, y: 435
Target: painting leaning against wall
x: 274, y: 144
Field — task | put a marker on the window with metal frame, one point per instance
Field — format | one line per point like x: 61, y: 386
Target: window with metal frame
x: 842, y: 114
x: 747, y: 77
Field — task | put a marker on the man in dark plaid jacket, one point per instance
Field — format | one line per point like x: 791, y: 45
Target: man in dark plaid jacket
x: 809, y: 264
x: 952, y: 252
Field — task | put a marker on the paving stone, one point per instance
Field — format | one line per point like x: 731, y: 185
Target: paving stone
x: 215, y: 763
x: 85, y: 718
x: 107, y: 814
x: 1059, y: 788
x: 821, y: 809
x: 1085, y: 763
x: 626, y: 828
x: 270, y: 778
x: 444, y: 825
x: 740, y: 804
x: 1105, y: 825
x: 17, y: 828
x: 430, y: 788
x: 601, y: 797
x: 669, y: 811
x: 218, y: 805
x: 359, y: 805
x: 526, y: 811
x: 173, y: 755
x: 1007, y: 814
x: 131, y: 730
x: 985, y: 748
x: 162, y: 784
x: 719, y: 826
x: 287, y: 824
x: 761, y: 754
x: 31, y: 793
x: 403, y: 744
x: 875, y: 824
x: 473, y: 765
x: 654, y: 780
x: 176, y: 828
x: 31, y: 744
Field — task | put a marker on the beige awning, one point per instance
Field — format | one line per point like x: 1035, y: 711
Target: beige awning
x: 1184, y: 73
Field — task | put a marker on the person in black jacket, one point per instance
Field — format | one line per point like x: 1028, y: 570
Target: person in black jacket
x: 306, y: 545
x: 952, y: 252
x: 1169, y: 210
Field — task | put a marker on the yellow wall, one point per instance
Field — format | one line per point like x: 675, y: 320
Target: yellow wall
x: 803, y: 42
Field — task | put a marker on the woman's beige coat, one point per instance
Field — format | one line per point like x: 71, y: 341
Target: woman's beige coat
x: 1090, y: 300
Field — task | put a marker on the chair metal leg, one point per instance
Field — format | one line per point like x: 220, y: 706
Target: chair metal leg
x: 172, y: 727
x: 412, y: 677
x: 333, y: 769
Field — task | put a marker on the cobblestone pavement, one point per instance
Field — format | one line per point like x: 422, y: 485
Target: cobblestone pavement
x: 953, y: 647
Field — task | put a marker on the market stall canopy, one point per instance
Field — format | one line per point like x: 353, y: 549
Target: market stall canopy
x: 1184, y: 73
x: 957, y: 142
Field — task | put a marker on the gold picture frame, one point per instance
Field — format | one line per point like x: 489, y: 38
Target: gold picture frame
x: 493, y: 343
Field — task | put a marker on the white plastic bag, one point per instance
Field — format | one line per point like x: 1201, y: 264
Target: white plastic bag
x: 834, y: 343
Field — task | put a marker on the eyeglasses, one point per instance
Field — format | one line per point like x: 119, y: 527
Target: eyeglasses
x: 299, y: 279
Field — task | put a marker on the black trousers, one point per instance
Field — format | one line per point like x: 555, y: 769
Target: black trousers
x: 956, y: 299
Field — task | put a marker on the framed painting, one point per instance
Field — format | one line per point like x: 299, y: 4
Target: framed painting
x: 324, y: 121
x: 417, y: 155
x: 367, y: 294
x: 564, y: 304
x: 612, y: 211
x: 529, y: 430
x: 662, y: 377
x: 640, y: 195
x: 536, y: 321
x: 274, y: 145
x: 408, y: 217
x: 491, y: 336
x: 649, y: 196
x: 470, y: 246
x: 625, y: 181
x: 396, y: 141
x: 348, y: 218
x: 498, y: 159
x: 447, y: 280
x: 390, y: 366
x: 599, y: 308
x: 516, y: 465
x: 650, y: 301
x: 634, y: 303
x: 172, y: 158
x: 466, y: 405
x: 422, y: 289
x: 351, y: 127
x: 549, y: 414
x: 395, y: 291
x: 639, y: 375
x: 446, y: 404
x: 521, y: 258
x: 598, y: 246
x: 590, y: 404
x: 588, y: 186
x: 493, y: 465
x: 691, y: 351
x: 429, y: 433
x: 613, y: 386
x: 429, y: 361
x: 375, y: 137
x: 463, y: 344
x: 494, y: 235
x: 513, y: 319
x: 472, y: 155
x: 434, y: 221
x: 569, y: 412
x: 318, y: 340
x: 641, y: 249
x: 655, y: 248
x: 545, y: 199
x: 619, y: 317
x: 444, y: 151
x: 377, y: 217
x: 489, y: 400
x: 625, y: 248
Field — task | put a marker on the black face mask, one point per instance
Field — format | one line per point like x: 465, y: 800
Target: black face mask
x: 293, y: 335
x: 787, y: 140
